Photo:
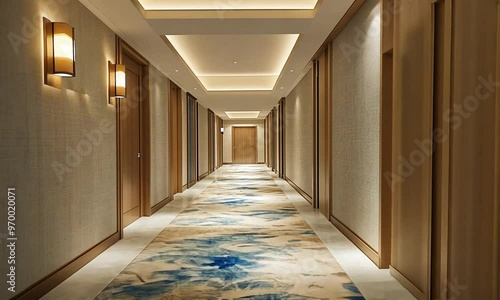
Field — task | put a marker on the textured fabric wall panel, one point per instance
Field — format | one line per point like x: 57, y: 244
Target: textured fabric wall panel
x: 228, y: 138
x: 202, y: 139
x: 159, y: 92
x: 58, y: 147
x: 299, y: 122
x: 356, y: 112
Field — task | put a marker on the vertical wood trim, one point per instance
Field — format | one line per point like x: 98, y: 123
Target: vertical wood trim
x: 385, y: 144
x: 179, y: 140
x: 496, y: 231
x: 443, y: 156
x: 329, y: 124
x: 395, y: 132
x: 221, y: 144
x: 265, y: 140
x: 197, y: 141
x: 283, y: 103
x: 119, y: 204
x: 145, y: 143
x: 316, y: 130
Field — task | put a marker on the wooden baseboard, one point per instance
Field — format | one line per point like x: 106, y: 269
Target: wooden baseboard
x: 357, y: 241
x: 261, y: 163
x: 299, y: 190
x: 184, y: 187
x: 45, y: 285
x: 202, y: 176
x: 160, y: 205
x: 407, y: 284
x: 227, y: 163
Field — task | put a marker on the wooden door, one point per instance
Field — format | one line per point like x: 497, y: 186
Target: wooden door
x: 130, y: 163
x: 192, y: 140
x: 175, y: 139
x: 244, y: 145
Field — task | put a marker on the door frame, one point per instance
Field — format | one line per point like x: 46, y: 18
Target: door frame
x: 145, y: 145
x: 192, y: 166
x: 175, y: 145
x: 256, y: 141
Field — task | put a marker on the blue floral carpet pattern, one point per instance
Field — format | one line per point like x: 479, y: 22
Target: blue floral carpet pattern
x: 240, y: 239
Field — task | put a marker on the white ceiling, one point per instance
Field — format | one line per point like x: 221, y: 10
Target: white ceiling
x: 257, y: 43
x: 232, y: 4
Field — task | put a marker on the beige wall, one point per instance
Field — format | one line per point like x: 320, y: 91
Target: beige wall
x: 202, y: 139
x: 300, y: 134
x: 58, y: 146
x: 184, y: 139
x: 228, y: 138
x: 159, y: 92
x: 356, y: 113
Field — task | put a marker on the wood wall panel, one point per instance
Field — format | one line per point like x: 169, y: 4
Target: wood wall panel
x: 412, y: 119
x: 473, y: 260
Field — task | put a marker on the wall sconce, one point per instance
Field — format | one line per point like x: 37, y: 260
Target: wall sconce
x: 222, y: 130
x: 59, y: 52
x: 117, y: 81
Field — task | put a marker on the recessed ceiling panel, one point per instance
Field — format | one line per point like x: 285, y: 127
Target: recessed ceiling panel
x: 238, y: 83
x: 242, y: 114
x: 228, y: 5
x: 235, y: 62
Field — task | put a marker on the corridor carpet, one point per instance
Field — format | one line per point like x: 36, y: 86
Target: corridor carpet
x: 240, y: 239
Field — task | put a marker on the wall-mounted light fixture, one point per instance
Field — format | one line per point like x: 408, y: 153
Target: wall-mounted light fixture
x: 117, y: 81
x: 222, y: 130
x: 59, y: 52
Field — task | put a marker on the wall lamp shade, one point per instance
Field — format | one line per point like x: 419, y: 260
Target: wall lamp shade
x: 60, y: 39
x: 59, y: 51
x: 222, y: 130
x: 117, y: 81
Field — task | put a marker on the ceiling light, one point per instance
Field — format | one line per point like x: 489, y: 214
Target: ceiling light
x: 195, y: 89
x: 242, y: 114
x: 228, y: 5
x: 292, y: 70
x: 235, y: 62
x: 281, y: 87
x: 176, y: 71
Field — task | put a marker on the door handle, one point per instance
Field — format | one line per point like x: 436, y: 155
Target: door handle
x: 138, y: 154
